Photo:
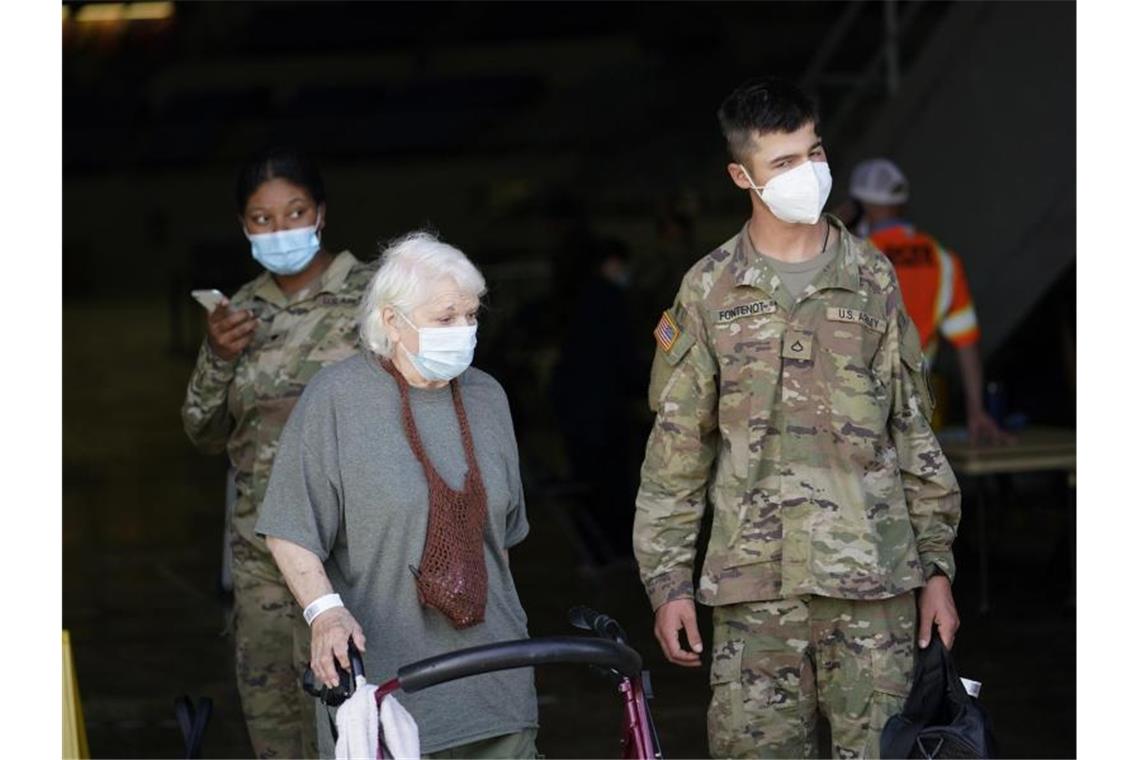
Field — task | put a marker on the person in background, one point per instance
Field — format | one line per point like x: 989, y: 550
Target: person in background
x: 395, y: 498
x: 592, y: 399
x: 658, y: 269
x: 932, y: 279
x: 262, y: 347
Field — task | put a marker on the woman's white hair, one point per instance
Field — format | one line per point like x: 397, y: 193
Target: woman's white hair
x: 409, y: 267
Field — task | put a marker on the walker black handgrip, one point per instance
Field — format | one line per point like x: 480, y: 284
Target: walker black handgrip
x: 346, y: 685
x: 601, y: 624
x: 523, y: 653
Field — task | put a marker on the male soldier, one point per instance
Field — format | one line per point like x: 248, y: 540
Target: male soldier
x: 933, y: 282
x: 788, y: 385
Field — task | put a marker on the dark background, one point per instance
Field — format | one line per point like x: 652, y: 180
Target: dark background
x: 534, y: 137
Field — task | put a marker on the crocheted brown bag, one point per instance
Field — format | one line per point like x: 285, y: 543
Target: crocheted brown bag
x: 452, y: 576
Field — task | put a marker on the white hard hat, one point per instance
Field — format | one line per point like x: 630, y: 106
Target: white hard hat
x: 879, y: 181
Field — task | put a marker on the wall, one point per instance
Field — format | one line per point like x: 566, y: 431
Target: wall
x: 984, y: 126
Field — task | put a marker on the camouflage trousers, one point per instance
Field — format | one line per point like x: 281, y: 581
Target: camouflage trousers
x: 778, y: 666
x: 272, y: 642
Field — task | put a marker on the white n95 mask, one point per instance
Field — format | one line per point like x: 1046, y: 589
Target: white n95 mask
x: 445, y: 352
x: 798, y: 195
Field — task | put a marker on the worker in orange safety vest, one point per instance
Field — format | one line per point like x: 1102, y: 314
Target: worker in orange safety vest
x: 932, y: 281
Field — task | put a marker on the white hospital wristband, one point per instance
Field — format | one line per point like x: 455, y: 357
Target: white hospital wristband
x: 321, y: 604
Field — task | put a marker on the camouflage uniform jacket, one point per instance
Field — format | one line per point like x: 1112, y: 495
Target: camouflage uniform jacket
x: 242, y: 405
x: 805, y: 422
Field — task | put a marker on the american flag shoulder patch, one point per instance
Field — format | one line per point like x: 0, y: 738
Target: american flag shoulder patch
x: 666, y: 332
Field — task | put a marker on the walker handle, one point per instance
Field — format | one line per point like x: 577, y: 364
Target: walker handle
x: 522, y: 653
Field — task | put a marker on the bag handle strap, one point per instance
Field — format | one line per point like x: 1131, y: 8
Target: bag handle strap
x: 192, y: 721
x: 954, y: 686
x: 930, y: 666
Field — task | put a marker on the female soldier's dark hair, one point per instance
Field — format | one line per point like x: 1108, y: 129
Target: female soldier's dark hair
x: 284, y: 163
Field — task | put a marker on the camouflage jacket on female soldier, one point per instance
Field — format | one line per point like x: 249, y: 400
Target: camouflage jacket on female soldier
x: 805, y: 423
x: 242, y: 405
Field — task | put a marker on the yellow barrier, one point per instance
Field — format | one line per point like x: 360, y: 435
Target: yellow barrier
x: 74, y: 732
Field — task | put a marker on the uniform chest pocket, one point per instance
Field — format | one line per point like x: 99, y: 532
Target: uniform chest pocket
x: 853, y: 333
x: 334, y: 340
x: 850, y: 340
x: 297, y: 346
x: 748, y: 354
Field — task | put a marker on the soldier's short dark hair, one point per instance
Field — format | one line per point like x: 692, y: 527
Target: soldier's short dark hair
x: 279, y: 163
x: 760, y: 107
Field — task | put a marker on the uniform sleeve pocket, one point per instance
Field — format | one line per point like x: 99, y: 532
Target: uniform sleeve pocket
x: 914, y: 364
x: 674, y: 334
x: 677, y: 350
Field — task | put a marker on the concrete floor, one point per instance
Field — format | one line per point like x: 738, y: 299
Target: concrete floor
x: 142, y: 551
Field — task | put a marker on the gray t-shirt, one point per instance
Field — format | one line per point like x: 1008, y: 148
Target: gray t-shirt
x: 798, y: 275
x: 346, y: 486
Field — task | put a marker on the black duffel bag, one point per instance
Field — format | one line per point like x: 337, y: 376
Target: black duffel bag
x: 939, y: 719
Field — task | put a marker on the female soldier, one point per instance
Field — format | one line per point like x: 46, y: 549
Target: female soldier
x: 262, y: 347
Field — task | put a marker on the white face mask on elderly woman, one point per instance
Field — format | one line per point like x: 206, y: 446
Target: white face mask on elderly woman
x: 445, y: 352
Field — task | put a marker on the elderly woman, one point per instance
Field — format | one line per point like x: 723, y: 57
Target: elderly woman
x: 394, y: 498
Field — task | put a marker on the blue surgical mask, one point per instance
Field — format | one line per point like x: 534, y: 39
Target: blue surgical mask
x: 286, y: 251
x: 445, y: 352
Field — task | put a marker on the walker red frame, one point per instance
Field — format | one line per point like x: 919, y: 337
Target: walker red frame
x: 607, y: 649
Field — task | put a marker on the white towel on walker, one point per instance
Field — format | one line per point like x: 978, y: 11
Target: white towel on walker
x: 358, y: 726
x: 401, y: 734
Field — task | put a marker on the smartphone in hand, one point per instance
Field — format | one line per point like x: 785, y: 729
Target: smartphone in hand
x: 209, y: 298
